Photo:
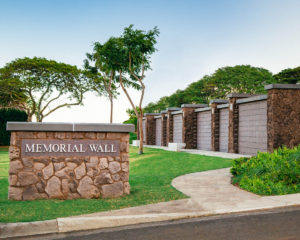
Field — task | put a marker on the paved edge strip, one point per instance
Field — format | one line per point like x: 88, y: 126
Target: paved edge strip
x: 72, y: 224
x: 28, y: 228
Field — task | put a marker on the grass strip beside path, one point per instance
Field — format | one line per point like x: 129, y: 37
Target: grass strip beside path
x: 150, y: 179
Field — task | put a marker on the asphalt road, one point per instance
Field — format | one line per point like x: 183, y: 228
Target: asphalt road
x: 279, y: 224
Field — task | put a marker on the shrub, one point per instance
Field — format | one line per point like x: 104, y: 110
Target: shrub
x: 9, y: 115
x: 132, y: 137
x: 274, y: 173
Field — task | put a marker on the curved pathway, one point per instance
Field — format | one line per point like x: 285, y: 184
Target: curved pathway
x: 211, y: 192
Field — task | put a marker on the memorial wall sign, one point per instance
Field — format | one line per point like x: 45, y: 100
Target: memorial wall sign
x: 37, y: 148
x: 68, y: 160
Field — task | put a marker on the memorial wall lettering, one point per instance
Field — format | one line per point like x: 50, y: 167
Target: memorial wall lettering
x: 60, y: 148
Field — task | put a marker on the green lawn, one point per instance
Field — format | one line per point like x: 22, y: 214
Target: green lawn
x: 150, y: 179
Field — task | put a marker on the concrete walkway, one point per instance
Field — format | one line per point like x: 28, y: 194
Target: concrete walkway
x: 210, y: 192
x: 203, y: 152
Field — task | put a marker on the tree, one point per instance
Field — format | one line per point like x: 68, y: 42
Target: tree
x: 106, y: 63
x: 239, y: 79
x: 104, y: 58
x: 289, y: 75
x: 42, y: 83
x: 138, y: 46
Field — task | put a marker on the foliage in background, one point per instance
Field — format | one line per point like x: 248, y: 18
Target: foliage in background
x: 11, y: 94
x: 236, y: 79
x: 132, y: 136
x: 6, y: 115
x: 289, y: 75
x: 44, y: 85
x: 132, y: 117
x: 274, y: 173
x: 239, y: 79
x: 150, y: 179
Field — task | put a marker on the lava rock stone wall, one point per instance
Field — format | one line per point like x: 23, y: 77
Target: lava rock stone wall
x: 215, y: 127
x: 150, y: 130
x: 189, y: 130
x: 169, y: 127
x: 33, y: 178
x: 233, y: 128
x: 164, y: 130
x: 283, y: 118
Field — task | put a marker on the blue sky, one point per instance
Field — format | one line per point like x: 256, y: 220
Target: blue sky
x: 197, y: 37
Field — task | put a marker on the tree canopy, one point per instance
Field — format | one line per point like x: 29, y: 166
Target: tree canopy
x: 289, y: 75
x: 104, y: 63
x: 239, y: 79
x: 236, y: 79
x: 42, y: 86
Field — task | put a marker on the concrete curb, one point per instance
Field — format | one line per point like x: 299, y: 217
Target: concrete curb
x: 71, y: 224
x: 27, y: 228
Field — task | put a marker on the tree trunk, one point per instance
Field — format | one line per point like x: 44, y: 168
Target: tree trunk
x: 141, y: 147
x: 29, y: 118
x: 111, y: 108
x: 38, y: 117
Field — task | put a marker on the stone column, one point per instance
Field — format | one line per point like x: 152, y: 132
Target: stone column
x: 189, y: 124
x: 283, y: 115
x: 233, y: 126
x: 215, y: 123
x: 150, y: 128
x: 164, y: 128
x: 170, y: 124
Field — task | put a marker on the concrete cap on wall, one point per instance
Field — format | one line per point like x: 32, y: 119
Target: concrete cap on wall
x: 282, y: 86
x: 173, y: 109
x: 176, y: 112
x: 151, y: 114
x: 239, y: 95
x: 194, y: 105
x: 252, y: 99
x: 69, y: 127
x: 222, y: 101
x: 203, y: 109
x: 223, y: 106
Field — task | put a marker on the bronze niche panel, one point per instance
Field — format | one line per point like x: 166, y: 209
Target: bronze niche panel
x: 69, y: 148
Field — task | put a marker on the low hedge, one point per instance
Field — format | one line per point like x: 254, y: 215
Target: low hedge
x: 274, y: 173
x: 6, y: 115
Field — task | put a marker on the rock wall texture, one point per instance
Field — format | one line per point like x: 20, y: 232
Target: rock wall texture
x: 150, y: 130
x: 233, y: 128
x: 164, y: 130
x: 215, y: 127
x: 283, y: 118
x: 169, y: 127
x: 189, y: 130
x: 68, y: 177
